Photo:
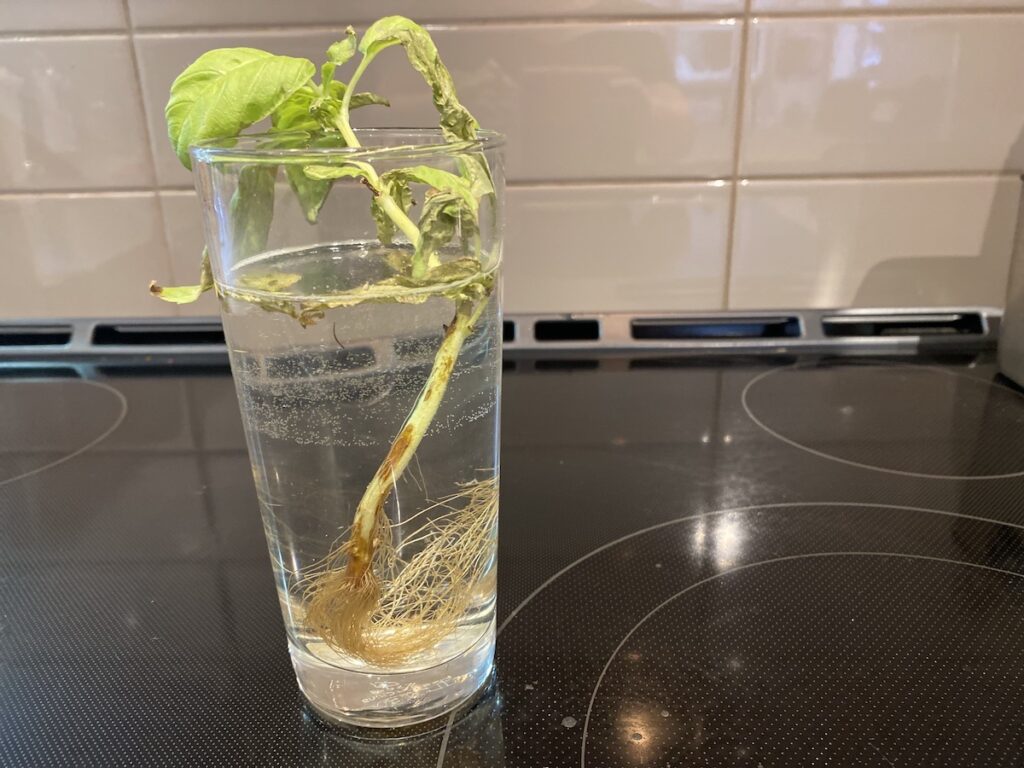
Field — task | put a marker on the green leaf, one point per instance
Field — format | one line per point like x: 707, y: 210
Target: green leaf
x: 474, y: 168
x: 457, y: 124
x: 337, y: 54
x: 398, y: 189
x: 295, y: 113
x: 252, y: 209
x: 186, y: 294
x: 366, y: 98
x: 324, y: 109
x: 444, y: 215
x: 307, y: 111
x: 311, y: 194
x: 351, y: 168
x: 228, y: 89
x: 343, y: 50
x: 442, y: 181
x: 326, y: 74
x: 324, y: 175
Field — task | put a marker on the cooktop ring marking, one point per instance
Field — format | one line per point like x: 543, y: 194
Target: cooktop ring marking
x: 860, y: 465
x: 444, y: 739
x: 737, y: 569
x: 95, y: 441
x: 775, y: 505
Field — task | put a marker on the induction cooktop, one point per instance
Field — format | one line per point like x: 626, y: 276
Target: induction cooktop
x: 777, y: 557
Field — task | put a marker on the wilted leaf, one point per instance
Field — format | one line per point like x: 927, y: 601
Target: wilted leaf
x: 366, y: 98
x: 469, y: 282
x: 186, y: 294
x: 272, y: 282
x: 445, y: 214
x: 456, y: 121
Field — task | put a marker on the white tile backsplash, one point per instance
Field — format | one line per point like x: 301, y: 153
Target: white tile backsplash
x: 662, y: 95
x: 882, y: 95
x: 81, y: 255
x: 71, y: 115
x: 873, y: 243
x: 161, y: 13
x: 877, y: 141
x: 616, y: 248
x: 61, y: 15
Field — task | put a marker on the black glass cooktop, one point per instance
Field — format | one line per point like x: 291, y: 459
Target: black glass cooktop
x: 703, y: 562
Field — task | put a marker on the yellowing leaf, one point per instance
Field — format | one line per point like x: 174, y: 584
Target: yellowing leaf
x: 272, y: 282
x: 186, y: 294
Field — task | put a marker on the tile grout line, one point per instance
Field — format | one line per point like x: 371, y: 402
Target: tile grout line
x: 77, y: 192
x: 698, y: 181
x: 741, y: 95
x: 272, y: 28
x: 439, y: 25
x: 36, y: 35
x: 277, y: 28
x: 155, y: 185
x: 883, y: 176
x: 541, y: 21
x: 887, y: 13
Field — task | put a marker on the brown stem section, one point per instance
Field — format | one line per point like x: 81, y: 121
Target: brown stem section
x: 360, y: 547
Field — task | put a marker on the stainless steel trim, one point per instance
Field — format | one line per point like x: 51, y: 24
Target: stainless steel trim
x: 908, y: 317
x: 615, y: 334
x: 616, y: 331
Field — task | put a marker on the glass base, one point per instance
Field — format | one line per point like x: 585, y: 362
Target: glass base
x: 393, y: 700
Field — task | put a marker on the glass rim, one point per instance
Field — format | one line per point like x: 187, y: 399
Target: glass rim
x: 246, y: 149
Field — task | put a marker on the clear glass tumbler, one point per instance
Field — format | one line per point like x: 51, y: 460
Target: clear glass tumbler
x: 367, y: 361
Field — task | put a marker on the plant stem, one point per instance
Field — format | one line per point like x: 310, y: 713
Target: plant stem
x: 387, y: 203
x: 343, y: 122
x: 397, y: 215
x: 403, y: 448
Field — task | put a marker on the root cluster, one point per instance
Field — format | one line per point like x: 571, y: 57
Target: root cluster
x: 400, y: 606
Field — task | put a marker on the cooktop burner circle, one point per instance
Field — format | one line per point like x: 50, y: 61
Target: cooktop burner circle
x: 45, y: 422
x: 796, y: 671
x: 902, y: 419
x: 793, y: 633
